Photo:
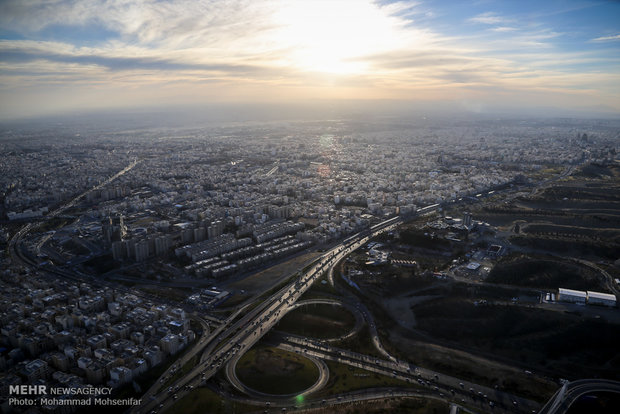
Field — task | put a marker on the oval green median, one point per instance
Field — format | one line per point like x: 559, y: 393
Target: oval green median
x: 274, y: 371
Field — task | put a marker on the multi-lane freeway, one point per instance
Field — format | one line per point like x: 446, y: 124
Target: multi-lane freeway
x: 240, y: 332
x: 441, y: 384
x: 238, y: 336
x: 244, y: 328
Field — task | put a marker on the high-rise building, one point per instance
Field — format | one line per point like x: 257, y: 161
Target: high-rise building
x: 200, y: 234
x: 170, y: 344
x: 119, y: 252
x: 142, y: 251
x: 215, y: 229
x: 114, y: 229
x: 162, y: 244
x: 467, y: 219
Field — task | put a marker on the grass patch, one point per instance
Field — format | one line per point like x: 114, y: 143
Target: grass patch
x: 345, y: 378
x: 421, y: 240
x: 75, y: 248
x: 275, y: 371
x: 203, y: 400
x: 360, y: 343
x: 277, y: 287
x: 320, y: 289
x: 407, y: 405
x: 101, y: 264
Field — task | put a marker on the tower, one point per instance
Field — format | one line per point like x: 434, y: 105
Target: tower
x: 467, y: 219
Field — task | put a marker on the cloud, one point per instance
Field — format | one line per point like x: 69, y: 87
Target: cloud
x: 34, y: 51
x: 606, y: 38
x: 488, y: 18
x: 258, y: 49
x: 504, y: 29
x: 162, y: 24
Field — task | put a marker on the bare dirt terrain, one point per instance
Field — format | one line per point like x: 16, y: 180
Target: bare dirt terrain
x: 270, y: 276
x: 400, y: 308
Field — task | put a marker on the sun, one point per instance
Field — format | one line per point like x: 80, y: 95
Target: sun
x: 336, y: 36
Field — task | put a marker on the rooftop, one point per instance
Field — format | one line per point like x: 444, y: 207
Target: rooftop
x: 600, y: 295
x: 571, y: 292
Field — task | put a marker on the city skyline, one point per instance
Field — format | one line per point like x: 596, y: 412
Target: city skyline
x: 62, y: 56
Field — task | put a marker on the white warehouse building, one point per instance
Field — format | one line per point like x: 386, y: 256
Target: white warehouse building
x: 598, y: 298
x: 572, y: 296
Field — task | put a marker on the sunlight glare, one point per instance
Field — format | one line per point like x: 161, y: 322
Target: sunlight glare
x: 335, y: 36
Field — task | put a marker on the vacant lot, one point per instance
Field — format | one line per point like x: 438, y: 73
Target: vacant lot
x: 597, y: 171
x: 577, y: 217
x: 465, y: 365
x: 421, y: 239
x: 271, y: 276
x: 569, y: 246
x: 568, y: 345
x: 545, y: 273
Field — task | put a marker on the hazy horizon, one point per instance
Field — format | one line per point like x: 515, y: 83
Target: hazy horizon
x: 226, y: 115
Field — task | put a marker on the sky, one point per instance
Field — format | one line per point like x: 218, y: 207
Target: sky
x: 58, y: 56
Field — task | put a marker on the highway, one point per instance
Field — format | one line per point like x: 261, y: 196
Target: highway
x: 17, y: 237
x: 441, y: 384
x: 374, y: 335
x: 235, y: 337
x: 348, y: 399
x: 231, y: 338
x: 571, y: 391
